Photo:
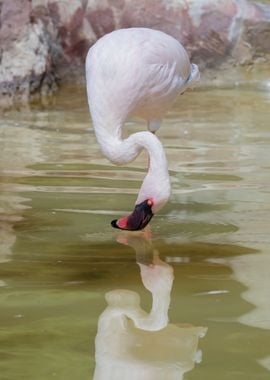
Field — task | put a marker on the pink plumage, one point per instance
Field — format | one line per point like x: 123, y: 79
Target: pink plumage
x: 137, y: 72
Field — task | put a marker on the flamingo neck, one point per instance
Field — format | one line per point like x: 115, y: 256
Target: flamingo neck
x: 156, y: 184
x: 160, y: 307
x: 158, y: 316
x: 117, y: 314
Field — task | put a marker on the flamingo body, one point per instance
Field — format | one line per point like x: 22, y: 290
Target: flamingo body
x: 137, y: 72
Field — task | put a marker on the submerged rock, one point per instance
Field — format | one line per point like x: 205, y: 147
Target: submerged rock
x: 41, y: 40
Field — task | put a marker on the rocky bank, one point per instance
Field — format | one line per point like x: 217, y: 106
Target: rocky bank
x: 44, y: 42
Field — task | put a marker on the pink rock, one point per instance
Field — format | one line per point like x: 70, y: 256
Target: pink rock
x: 13, y: 18
x: 26, y: 65
x: 55, y: 35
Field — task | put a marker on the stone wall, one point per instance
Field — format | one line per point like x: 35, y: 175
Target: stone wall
x: 43, y: 42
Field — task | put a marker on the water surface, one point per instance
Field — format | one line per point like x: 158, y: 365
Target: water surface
x: 59, y: 257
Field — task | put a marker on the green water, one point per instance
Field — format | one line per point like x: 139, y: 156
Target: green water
x: 59, y: 256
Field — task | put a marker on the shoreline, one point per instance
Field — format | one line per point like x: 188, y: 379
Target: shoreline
x: 44, y: 42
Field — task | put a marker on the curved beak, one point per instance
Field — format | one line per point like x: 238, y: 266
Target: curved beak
x: 138, y: 219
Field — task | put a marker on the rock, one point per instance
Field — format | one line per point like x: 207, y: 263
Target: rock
x: 26, y: 66
x: 41, y: 40
x: 256, y: 29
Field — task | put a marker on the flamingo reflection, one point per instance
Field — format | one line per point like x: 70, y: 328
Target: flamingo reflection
x: 133, y: 344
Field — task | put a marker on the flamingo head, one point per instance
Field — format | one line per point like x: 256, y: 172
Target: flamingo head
x: 138, y: 219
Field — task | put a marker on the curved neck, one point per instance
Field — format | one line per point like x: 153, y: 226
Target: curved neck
x: 155, y: 320
x: 156, y: 184
x: 158, y: 316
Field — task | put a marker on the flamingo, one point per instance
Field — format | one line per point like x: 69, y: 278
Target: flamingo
x: 137, y: 72
x: 134, y: 344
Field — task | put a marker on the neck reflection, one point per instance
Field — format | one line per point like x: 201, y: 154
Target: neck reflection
x: 134, y: 344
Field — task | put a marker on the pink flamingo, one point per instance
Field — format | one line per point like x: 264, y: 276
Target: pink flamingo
x: 137, y: 72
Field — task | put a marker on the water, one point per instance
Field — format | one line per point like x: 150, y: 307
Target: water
x: 59, y: 257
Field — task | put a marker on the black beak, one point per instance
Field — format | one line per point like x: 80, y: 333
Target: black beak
x: 136, y: 221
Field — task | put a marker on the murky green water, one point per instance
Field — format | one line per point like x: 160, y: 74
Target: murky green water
x: 59, y: 256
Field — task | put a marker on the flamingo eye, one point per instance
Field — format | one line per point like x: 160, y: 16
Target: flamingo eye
x: 150, y: 202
